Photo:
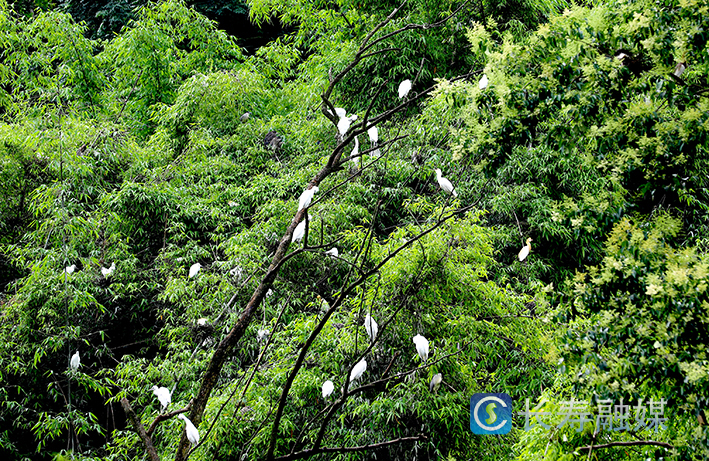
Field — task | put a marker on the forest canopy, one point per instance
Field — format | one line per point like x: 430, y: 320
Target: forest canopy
x: 323, y: 245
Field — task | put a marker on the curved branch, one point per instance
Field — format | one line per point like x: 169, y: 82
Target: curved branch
x: 627, y: 444
x: 374, y: 446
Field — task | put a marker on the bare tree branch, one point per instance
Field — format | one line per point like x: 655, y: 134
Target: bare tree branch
x: 374, y: 446
x: 627, y: 444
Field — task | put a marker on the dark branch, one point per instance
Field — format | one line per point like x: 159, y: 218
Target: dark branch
x: 374, y: 446
x: 133, y: 418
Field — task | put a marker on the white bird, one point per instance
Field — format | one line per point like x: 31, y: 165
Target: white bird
x: 232, y: 203
x: 269, y: 293
x: 344, y: 124
x: 262, y: 335
x: 421, y: 347
x: 327, y: 388
x: 75, y: 361
x: 404, y: 88
x: 524, y: 252
x: 306, y: 197
x: 358, y: 370
x: 192, y: 432
x: 371, y: 326
x: 679, y: 69
x: 355, y: 152
x: 109, y: 271
x: 435, y: 382
x: 70, y: 269
x: 299, y: 231
x: 341, y: 113
x: 373, y: 133
x: 202, y: 322
x: 445, y: 184
x: 236, y: 272
x: 333, y: 252
x: 483, y: 82
x: 245, y: 117
x: 164, y: 396
x: 194, y: 268
x: 324, y: 305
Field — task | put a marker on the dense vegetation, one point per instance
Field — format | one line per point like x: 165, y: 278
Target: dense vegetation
x: 123, y: 142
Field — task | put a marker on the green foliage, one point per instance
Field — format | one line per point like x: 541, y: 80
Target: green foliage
x: 643, y: 315
x: 585, y: 122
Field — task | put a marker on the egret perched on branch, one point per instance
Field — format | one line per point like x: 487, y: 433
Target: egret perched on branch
x: 524, y: 252
x: 358, y: 370
x: 354, y: 156
x: 373, y: 133
x: 164, y: 396
x: 109, y: 271
x: 75, y: 361
x: 306, y: 197
x: 333, y: 252
x: 344, y: 124
x: 483, y: 82
x: 194, y: 268
x: 299, y: 231
x: 435, y: 382
x: 339, y: 111
x: 421, y: 347
x: 70, y: 269
x: 327, y: 388
x: 404, y: 88
x: 371, y: 326
x: 192, y: 432
x: 445, y: 184
x: 202, y: 322
x: 262, y: 335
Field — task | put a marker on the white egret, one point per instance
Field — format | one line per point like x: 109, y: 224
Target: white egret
x: 269, y: 293
x: 358, y: 370
x: 404, y: 88
x: 236, y: 272
x: 299, y: 231
x: 306, y: 197
x: 354, y: 156
x: 371, y: 326
x: 373, y: 133
x: 75, y: 361
x: 421, y: 347
x: 70, y: 269
x: 324, y: 305
x: 192, y: 432
x: 445, y: 184
x: 435, y: 382
x: 245, y: 117
x: 344, y: 124
x: 232, y: 203
x: 341, y: 113
x: 333, y: 252
x: 164, y: 396
x: 109, y: 271
x: 483, y: 82
x: 327, y: 388
x: 194, y: 268
x: 262, y: 335
x: 524, y: 252
x: 202, y: 322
